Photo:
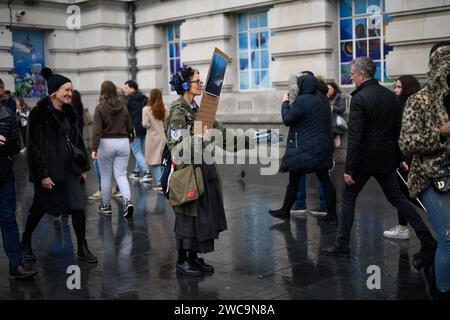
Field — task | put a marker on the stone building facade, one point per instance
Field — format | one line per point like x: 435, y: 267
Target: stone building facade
x: 267, y: 41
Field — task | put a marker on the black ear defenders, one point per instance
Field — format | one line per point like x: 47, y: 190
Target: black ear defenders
x: 184, y: 83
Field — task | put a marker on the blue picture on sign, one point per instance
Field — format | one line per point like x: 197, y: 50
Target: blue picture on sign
x: 216, y: 74
x: 28, y: 54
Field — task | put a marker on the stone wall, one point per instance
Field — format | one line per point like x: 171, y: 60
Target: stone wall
x: 303, y: 36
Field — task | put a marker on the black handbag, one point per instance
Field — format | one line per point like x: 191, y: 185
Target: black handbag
x: 79, y: 158
x: 442, y: 184
x: 77, y: 154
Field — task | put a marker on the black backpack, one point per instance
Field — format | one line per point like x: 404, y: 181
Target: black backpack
x: 168, y: 166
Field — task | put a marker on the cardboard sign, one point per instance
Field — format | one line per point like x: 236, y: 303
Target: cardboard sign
x: 210, y: 100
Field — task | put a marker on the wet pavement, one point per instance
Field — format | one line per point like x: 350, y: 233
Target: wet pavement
x: 258, y: 257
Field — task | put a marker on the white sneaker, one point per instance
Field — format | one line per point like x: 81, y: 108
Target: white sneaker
x: 397, y: 232
x: 301, y: 209
x: 146, y: 178
x: 116, y: 194
x: 134, y: 176
x: 318, y: 212
x: 128, y: 208
x: 96, y: 196
x: 23, y: 150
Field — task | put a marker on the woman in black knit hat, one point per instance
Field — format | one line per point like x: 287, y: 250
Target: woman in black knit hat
x: 58, y: 163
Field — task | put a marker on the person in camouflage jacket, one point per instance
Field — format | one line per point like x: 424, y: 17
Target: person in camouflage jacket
x: 423, y: 118
x: 425, y: 135
x: 198, y: 222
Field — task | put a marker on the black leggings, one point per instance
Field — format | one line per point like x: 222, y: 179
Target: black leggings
x: 23, y: 131
x: 292, y: 189
x: 78, y: 222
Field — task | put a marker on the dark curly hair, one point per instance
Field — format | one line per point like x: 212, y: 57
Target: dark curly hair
x: 183, y: 75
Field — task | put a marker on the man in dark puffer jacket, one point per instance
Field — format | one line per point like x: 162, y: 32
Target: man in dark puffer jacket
x: 309, y: 148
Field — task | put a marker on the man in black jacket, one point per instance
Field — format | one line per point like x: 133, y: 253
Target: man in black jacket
x: 136, y: 102
x: 373, y: 132
x: 9, y: 146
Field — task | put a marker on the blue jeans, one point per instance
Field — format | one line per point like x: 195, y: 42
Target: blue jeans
x: 301, y: 195
x: 156, y: 172
x: 97, y: 171
x: 137, y: 146
x: 438, y: 211
x: 8, y: 224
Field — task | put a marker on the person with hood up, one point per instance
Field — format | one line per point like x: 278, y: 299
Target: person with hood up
x: 309, y: 147
x: 300, y: 202
x: 111, y: 146
x: 425, y: 135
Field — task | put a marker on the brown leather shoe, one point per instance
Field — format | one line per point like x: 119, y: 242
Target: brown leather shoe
x: 21, y: 273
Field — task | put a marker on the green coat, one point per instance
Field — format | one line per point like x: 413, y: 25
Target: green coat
x: 178, y: 129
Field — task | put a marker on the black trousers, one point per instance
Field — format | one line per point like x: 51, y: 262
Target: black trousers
x: 401, y: 219
x: 23, y: 131
x: 391, y: 189
x: 292, y: 190
x: 35, y: 215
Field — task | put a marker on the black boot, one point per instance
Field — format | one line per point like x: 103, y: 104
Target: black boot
x: 285, y: 211
x: 336, y: 252
x: 280, y: 213
x: 188, y: 269
x: 26, y: 248
x: 425, y: 257
x: 328, y: 219
x: 199, y: 263
x: 85, y: 255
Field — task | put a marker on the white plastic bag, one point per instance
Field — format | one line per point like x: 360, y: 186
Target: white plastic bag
x: 341, y: 123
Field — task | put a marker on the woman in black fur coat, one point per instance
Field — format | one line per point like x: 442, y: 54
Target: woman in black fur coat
x: 58, y: 168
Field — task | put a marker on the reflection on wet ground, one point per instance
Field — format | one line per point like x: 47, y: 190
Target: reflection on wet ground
x: 258, y: 257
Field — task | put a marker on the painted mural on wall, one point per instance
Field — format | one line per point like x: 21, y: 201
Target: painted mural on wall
x: 28, y: 54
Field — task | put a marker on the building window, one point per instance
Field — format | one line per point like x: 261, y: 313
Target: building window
x: 173, y: 48
x: 28, y: 55
x: 362, y: 26
x: 254, y: 57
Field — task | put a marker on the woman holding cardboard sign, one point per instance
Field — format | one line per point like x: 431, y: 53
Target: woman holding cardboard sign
x: 201, y: 218
x: 195, y: 188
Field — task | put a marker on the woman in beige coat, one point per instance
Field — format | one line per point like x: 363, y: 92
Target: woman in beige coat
x: 153, y: 116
